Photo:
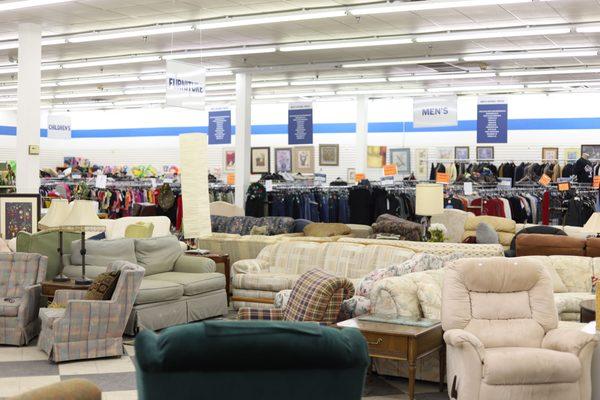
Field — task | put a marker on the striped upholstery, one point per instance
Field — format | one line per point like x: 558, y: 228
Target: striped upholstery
x: 20, y: 278
x: 316, y: 297
x: 90, y: 329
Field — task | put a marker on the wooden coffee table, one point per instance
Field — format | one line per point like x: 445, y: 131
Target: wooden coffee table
x: 588, y: 311
x: 403, y: 343
x: 218, y: 259
x: 49, y: 287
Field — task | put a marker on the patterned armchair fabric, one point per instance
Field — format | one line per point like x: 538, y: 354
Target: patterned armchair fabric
x: 20, y: 290
x: 88, y: 328
x: 243, y: 225
x: 316, y: 297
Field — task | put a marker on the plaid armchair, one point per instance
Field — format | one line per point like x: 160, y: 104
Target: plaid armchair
x: 20, y: 290
x: 316, y: 297
x: 90, y: 328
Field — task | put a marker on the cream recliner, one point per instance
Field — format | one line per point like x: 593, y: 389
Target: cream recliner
x: 500, y: 324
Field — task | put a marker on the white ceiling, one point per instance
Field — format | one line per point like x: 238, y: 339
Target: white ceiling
x: 89, y: 15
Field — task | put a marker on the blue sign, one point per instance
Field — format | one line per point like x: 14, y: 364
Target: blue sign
x: 492, y: 123
x: 300, y: 123
x: 219, y: 127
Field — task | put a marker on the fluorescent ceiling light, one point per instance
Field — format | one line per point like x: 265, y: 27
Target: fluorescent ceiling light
x: 531, y: 55
x: 8, y: 87
x: 434, y: 77
x: 492, y: 33
x: 272, y: 18
x: 587, y: 29
x: 138, y: 102
x: 290, y: 95
x: 129, y: 33
x: 219, y: 73
x: 269, y: 84
x: 344, y: 44
x: 553, y: 71
x: 379, y: 91
x: 337, y: 81
x: 110, y: 61
x: 220, y: 98
x: 428, y: 5
x: 99, y: 80
x: 558, y: 85
x: 408, y: 61
x: 219, y: 53
x: 483, y: 88
x: 17, y: 5
x: 98, y: 93
x: 51, y: 41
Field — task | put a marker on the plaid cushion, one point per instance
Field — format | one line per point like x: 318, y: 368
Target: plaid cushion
x: 269, y: 314
x: 317, y: 297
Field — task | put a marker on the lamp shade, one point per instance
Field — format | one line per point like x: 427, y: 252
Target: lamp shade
x: 83, y: 217
x: 430, y: 199
x: 593, y: 224
x: 57, y: 213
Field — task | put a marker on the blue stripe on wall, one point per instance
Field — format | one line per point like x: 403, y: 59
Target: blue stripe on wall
x: 374, y: 127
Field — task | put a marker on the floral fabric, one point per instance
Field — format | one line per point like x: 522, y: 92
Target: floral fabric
x: 407, y: 230
x: 243, y: 225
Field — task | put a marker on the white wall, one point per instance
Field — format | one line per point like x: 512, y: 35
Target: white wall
x: 161, y: 150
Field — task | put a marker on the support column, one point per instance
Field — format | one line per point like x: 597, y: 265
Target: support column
x: 29, y: 107
x: 243, y: 92
x: 362, y: 130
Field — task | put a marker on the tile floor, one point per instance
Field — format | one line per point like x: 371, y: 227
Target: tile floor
x: 27, y: 368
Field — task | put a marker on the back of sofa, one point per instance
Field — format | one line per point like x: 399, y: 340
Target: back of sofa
x: 115, y: 228
x: 574, y: 272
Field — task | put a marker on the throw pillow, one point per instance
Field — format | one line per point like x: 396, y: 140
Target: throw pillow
x: 258, y: 230
x: 430, y: 299
x: 485, y: 234
x: 139, y: 230
x: 103, y: 286
x: 300, y: 224
x: 56, y: 305
x: 322, y: 229
x: 100, y: 236
x: 407, y: 230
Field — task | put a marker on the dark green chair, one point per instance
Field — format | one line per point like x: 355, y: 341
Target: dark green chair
x: 46, y: 244
x: 264, y: 360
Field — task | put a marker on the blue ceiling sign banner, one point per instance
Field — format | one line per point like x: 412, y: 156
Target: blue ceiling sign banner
x: 300, y: 123
x: 219, y: 127
x: 492, y: 120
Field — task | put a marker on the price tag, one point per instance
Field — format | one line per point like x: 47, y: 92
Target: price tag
x: 564, y: 186
x: 153, y: 182
x: 269, y: 185
x: 231, y: 179
x: 390, y: 170
x: 442, y: 177
x: 168, y: 180
x: 468, y: 188
x: 360, y: 177
x: 387, y: 180
x: 320, y: 178
x: 596, y: 182
x: 101, y: 182
x: 545, y: 180
x: 505, y: 182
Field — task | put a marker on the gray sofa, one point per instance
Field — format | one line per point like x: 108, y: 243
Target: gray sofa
x: 176, y: 288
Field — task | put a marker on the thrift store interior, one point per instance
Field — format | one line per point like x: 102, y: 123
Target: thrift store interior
x: 324, y: 199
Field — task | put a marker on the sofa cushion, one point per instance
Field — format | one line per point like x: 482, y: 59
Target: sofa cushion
x: 273, y: 282
x: 529, y: 366
x: 91, y: 271
x: 277, y: 225
x: 557, y: 283
x: 154, y: 291
x: 300, y: 224
x: 139, y: 230
x: 8, y: 309
x: 193, y: 284
x: 570, y: 302
x: 326, y: 229
x: 485, y: 234
x: 536, y: 244
x: 258, y: 230
x: 157, y: 255
x: 104, y: 252
x: 407, y: 230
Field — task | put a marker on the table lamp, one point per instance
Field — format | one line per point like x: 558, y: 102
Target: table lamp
x: 52, y: 221
x: 81, y: 219
x: 429, y: 201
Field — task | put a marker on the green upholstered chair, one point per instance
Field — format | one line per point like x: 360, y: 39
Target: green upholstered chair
x: 251, y: 360
x: 46, y: 244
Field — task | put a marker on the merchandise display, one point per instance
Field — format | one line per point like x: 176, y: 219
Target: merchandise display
x: 269, y: 200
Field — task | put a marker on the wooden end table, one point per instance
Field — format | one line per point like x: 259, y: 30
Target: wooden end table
x: 588, y: 311
x: 49, y: 287
x: 403, y: 343
x: 218, y: 259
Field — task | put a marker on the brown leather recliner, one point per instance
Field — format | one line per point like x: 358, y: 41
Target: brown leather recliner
x: 534, y: 244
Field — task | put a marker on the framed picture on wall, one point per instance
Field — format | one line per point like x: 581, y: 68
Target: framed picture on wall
x: 329, y: 155
x: 462, y: 153
x: 549, y: 154
x: 422, y: 163
x: 283, y: 159
x: 303, y: 159
x: 376, y: 156
x: 19, y: 212
x: 401, y: 157
x: 592, y: 150
x: 260, y: 160
x: 446, y: 153
x: 485, y: 153
x: 229, y: 159
x: 572, y: 154
x: 351, y: 176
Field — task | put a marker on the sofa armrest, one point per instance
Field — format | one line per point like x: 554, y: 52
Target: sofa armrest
x: 62, y: 297
x: 248, y: 267
x: 462, y: 339
x: 30, y: 306
x: 567, y: 340
x: 23, y: 242
x: 193, y: 264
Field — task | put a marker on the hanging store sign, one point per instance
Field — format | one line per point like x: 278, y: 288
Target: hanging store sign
x: 492, y: 120
x: 186, y: 85
x: 59, y: 127
x: 219, y: 127
x: 434, y: 112
x: 300, y: 123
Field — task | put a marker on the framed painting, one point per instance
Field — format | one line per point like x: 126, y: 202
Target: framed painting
x: 376, y: 156
x: 351, y: 176
x: 401, y: 157
x: 283, y: 159
x: 329, y: 155
x: 229, y: 159
x: 549, y: 154
x: 19, y: 213
x: 572, y: 154
x: 485, y: 153
x: 462, y: 153
x: 592, y: 150
x: 303, y: 159
x: 260, y: 160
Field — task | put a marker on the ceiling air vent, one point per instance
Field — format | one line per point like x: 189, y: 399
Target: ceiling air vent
x: 442, y: 67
